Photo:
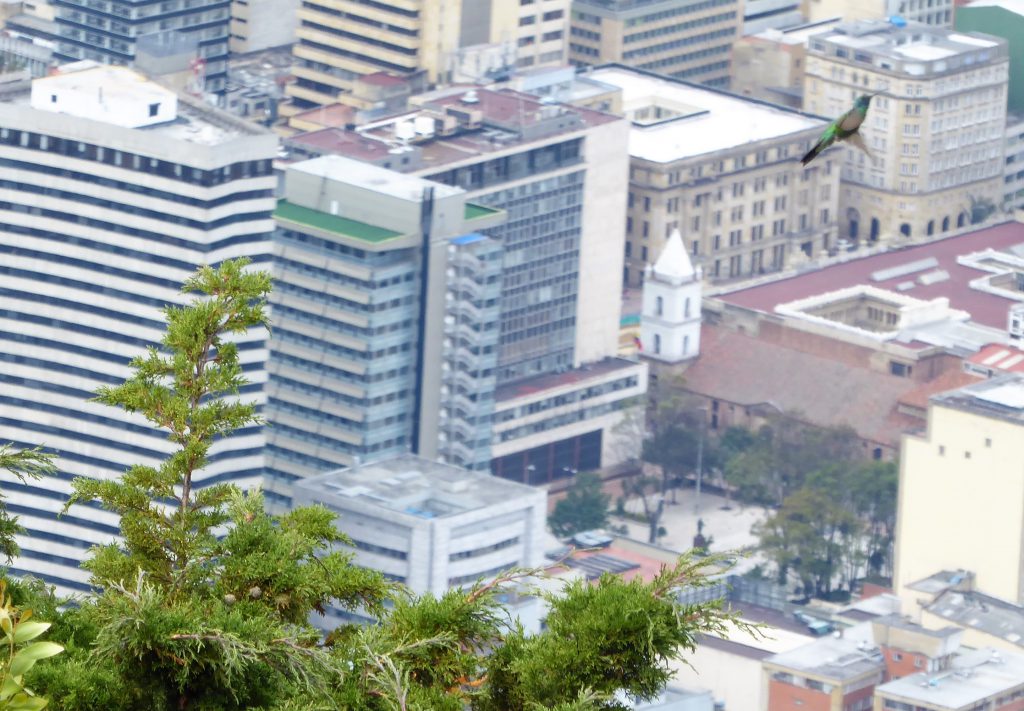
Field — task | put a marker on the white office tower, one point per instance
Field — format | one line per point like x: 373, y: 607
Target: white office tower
x: 670, y: 318
x: 113, y: 190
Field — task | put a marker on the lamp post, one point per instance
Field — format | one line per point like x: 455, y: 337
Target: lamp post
x: 700, y: 455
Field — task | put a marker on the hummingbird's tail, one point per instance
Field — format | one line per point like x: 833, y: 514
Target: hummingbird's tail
x: 813, y: 153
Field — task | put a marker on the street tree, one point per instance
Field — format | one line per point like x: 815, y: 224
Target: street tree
x: 584, y: 508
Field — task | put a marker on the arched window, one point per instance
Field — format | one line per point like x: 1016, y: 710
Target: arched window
x: 931, y: 227
x: 961, y: 219
x: 905, y: 229
x: 659, y: 306
x: 686, y: 308
x: 657, y: 343
x: 945, y: 223
x: 876, y: 228
x: 686, y: 345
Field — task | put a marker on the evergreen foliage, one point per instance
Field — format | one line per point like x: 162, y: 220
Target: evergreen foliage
x: 204, y: 604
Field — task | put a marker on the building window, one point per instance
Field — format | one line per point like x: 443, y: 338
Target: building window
x: 942, y: 450
x: 659, y: 306
x: 686, y: 345
x: 154, y: 109
x: 657, y: 343
x: 686, y: 308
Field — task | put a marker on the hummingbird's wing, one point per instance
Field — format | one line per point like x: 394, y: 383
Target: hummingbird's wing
x: 858, y: 140
x: 826, y: 140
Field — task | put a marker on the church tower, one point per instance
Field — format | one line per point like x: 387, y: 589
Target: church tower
x: 670, y: 317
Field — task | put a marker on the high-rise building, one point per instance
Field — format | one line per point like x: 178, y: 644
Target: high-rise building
x: 339, y: 41
x: 935, y: 133
x: 383, y: 311
x: 114, y: 190
x: 559, y: 172
x: 724, y: 171
x: 685, y: 39
x: 110, y: 32
x: 761, y: 15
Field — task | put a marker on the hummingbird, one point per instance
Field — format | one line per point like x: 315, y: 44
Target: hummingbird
x: 844, y: 128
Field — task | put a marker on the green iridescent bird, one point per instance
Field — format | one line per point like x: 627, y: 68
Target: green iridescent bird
x: 844, y: 128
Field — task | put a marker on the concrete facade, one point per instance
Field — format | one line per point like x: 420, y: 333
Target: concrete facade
x: 679, y: 38
x: 434, y: 527
x: 339, y: 40
x: 935, y: 133
x: 261, y: 24
x: 770, y: 65
x: 974, y: 435
x: 108, y: 33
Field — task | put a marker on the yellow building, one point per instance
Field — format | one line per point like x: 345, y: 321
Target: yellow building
x: 935, y: 133
x: 337, y: 41
x: 961, y: 494
x: 680, y: 38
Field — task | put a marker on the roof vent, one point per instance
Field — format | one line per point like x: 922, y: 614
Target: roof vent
x: 470, y: 97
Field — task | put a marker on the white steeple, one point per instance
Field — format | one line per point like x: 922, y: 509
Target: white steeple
x: 674, y: 265
x: 670, y: 318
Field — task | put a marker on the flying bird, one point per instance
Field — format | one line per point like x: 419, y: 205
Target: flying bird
x: 844, y: 128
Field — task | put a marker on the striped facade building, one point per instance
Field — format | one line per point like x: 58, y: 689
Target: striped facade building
x: 113, y: 191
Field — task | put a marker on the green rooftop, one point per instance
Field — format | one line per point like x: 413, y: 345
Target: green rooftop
x: 474, y: 212
x: 333, y: 223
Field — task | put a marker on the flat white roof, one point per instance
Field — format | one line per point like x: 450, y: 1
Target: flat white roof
x: 372, y: 177
x: 725, y: 122
x: 924, y: 52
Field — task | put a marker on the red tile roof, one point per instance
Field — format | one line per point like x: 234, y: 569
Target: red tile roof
x: 987, y: 309
x: 749, y: 371
x: 950, y: 380
x: 999, y: 358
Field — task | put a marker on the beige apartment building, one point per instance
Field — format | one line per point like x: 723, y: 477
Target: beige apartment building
x: 338, y: 41
x: 725, y: 172
x: 935, y: 133
x: 680, y: 38
x: 961, y: 494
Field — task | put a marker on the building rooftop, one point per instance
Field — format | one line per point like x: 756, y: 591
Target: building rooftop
x: 332, y: 223
x: 938, y: 582
x: 975, y: 610
x: 839, y: 658
x: 753, y: 372
x: 996, y: 358
x: 415, y: 487
x: 912, y: 48
x: 542, y: 383
x: 974, y: 271
x: 452, y: 125
x: 798, y: 34
x: 373, y: 178
x: 1001, y: 397
x: 974, y: 677
x: 192, y: 120
x: 695, y: 120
